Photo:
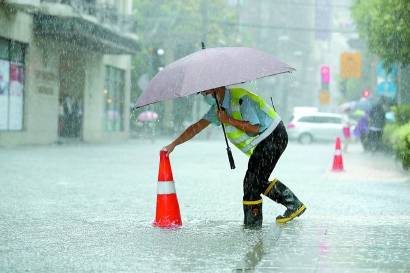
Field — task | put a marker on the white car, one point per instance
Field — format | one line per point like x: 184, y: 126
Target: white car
x: 315, y: 126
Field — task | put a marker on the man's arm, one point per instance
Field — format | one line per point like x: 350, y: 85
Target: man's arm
x: 189, y: 133
x: 240, y: 124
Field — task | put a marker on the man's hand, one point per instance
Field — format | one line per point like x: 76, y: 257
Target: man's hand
x: 223, y: 116
x: 239, y: 124
x: 189, y: 133
x: 169, y: 148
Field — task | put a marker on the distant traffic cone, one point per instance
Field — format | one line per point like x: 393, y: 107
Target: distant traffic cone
x: 167, y: 212
x: 338, y: 159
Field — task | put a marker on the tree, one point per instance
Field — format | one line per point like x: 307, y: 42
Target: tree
x: 178, y: 27
x: 385, y: 26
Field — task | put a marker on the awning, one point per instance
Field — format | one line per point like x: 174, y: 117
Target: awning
x: 84, y: 33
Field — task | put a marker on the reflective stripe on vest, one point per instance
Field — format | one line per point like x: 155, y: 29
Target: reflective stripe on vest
x: 239, y: 138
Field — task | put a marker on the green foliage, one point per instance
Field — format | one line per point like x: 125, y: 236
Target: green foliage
x: 388, y: 131
x: 385, y: 25
x: 397, y: 137
x: 178, y: 27
x: 402, y: 113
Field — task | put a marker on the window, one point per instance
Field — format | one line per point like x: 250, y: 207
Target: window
x: 331, y: 120
x: 322, y: 119
x: 11, y: 84
x: 114, y: 99
x: 308, y: 119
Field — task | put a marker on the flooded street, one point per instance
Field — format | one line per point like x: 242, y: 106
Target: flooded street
x: 93, y: 93
x: 89, y: 208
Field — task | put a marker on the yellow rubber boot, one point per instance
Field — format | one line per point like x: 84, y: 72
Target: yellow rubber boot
x: 281, y: 194
x: 290, y: 214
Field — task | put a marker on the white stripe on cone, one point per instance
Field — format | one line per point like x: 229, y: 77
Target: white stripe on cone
x: 166, y: 187
x: 338, y: 152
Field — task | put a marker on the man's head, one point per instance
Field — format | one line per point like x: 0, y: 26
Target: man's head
x: 210, y: 94
x: 212, y: 91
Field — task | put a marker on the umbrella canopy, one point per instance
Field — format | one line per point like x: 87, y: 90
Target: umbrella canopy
x: 365, y: 104
x: 347, y: 106
x: 147, y: 116
x: 210, y: 68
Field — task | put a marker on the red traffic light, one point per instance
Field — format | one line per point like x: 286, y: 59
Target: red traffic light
x: 366, y: 93
x: 325, y: 72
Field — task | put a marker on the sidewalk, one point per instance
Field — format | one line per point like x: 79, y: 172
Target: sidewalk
x: 378, y: 167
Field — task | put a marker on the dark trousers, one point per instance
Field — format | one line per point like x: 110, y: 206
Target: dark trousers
x: 262, y: 162
x: 375, y: 140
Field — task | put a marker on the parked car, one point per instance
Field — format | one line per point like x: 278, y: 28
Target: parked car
x: 315, y: 126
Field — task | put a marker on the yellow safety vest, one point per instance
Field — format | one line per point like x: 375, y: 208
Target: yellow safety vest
x: 239, y: 138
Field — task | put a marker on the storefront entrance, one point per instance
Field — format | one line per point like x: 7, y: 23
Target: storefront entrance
x: 72, y: 77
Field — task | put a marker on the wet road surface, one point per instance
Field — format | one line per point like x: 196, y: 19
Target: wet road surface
x: 89, y: 208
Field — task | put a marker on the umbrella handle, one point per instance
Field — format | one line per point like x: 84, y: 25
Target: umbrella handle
x: 228, y: 149
x: 230, y: 157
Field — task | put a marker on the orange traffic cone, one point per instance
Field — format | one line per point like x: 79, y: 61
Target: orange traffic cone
x: 167, y: 213
x: 338, y: 159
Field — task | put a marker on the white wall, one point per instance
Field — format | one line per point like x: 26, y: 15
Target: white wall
x: 40, y: 86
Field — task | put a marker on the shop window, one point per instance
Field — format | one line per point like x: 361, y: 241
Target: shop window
x: 114, y: 99
x: 11, y: 85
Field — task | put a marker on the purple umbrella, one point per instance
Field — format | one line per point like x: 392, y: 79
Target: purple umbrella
x: 210, y: 68
x: 147, y: 116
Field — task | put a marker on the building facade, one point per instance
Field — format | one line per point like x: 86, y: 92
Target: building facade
x: 65, y: 70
